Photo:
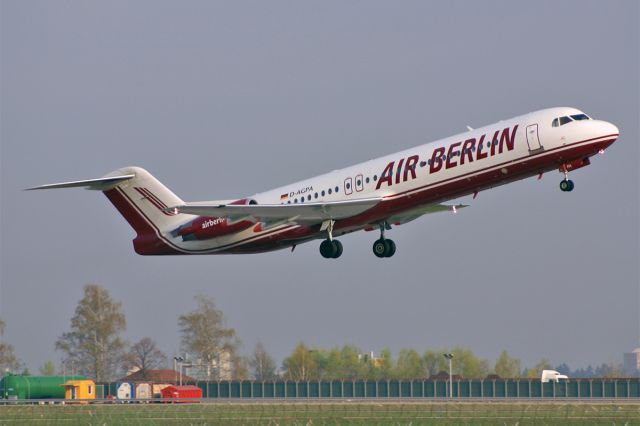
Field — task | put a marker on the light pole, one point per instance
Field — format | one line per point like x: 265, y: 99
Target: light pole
x: 178, y: 359
x: 449, y: 356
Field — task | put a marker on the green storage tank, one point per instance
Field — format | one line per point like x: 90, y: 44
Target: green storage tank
x: 34, y: 387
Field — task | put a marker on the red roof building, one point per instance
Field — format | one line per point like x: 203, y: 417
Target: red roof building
x: 157, y: 376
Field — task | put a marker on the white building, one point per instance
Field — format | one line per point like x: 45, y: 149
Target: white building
x: 631, y: 363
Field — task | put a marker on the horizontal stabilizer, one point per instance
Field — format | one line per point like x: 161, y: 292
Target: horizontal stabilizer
x: 100, y: 184
x: 306, y: 212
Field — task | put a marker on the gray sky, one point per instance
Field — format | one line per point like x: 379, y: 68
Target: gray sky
x: 224, y: 99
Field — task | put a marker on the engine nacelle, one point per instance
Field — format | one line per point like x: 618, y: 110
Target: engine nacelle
x: 206, y: 227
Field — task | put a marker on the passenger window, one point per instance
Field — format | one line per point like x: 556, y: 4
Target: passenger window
x: 564, y: 120
x: 554, y: 123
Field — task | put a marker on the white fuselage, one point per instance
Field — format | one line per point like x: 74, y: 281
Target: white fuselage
x: 435, y: 172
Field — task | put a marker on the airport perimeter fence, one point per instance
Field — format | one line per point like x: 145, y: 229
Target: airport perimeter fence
x: 626, y: 388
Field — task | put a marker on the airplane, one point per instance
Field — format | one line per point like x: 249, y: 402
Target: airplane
x: 377, y: 194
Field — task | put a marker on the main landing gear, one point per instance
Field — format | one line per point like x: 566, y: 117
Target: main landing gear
x: 566, y: 185
x: 384, y: 247
x: 330, y: 248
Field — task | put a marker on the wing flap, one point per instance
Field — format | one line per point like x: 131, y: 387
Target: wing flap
x: 305, y: 212
x: 413, y: 214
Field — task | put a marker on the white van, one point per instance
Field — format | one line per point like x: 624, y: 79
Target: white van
x: 552, y: 376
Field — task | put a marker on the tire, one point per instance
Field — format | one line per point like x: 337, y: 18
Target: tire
x: 570, y: 187
x: 564, y: 185
x: 337, y: 245
x: 327, y: 249
x: 380, y: 248
x: 391, y: 248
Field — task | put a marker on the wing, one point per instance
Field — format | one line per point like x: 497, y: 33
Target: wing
x: 413, y: 214
x: 301, y: 213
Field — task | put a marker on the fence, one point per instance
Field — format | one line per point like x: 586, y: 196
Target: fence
x: 345, y: 389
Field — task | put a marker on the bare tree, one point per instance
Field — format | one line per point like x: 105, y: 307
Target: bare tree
x: 93, y: 346
x: 206, y: 337
x: 144, y: 355
x: 262, y: 364
x: 8, y: 359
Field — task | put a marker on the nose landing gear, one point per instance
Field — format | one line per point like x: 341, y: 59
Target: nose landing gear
x: 384, y: 247
x: 566, y: 185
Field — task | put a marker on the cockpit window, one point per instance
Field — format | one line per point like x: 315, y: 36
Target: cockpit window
x: 579, y: 117
x: 564, y: 120
x: 560, y: 121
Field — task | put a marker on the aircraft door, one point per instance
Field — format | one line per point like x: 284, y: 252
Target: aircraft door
x: 532, y: 138
x: 348, y: 186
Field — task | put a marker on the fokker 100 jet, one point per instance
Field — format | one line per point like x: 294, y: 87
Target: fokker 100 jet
x: 376, y: 194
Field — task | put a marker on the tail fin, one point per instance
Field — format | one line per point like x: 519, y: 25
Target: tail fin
x: 141, y: 199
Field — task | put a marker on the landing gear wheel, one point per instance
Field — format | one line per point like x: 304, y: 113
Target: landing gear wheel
x: 566, y: 185
x: 337, y: 245
x: 391, y: 248
x: 384, y: 248
x: 331, y: 249
x: 380, y: 247
x: 328, y: 249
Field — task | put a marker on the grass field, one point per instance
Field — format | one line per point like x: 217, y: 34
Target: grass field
x: 329, y: 413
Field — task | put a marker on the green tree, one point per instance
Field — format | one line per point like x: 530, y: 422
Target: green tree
x: 434, y: 362
x: 8, y: 359
x: 301, y: 364
x: 206, y: 337
x: 48, y: 369
x: 467, y: 364
x: 382, y: 367
x: 262, y: 364
x: 536, y: 371
x: 352, y: 367
x: 143, y: 356
x: 506, y: 366
x: 409, y: 365
x: 93, y: 345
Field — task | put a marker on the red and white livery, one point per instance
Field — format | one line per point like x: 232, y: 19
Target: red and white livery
x: 376, y: 194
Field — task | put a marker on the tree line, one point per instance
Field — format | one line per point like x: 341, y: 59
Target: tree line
x: 94, y: 346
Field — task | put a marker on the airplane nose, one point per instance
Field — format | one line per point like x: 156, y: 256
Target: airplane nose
x: 609, y: 128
